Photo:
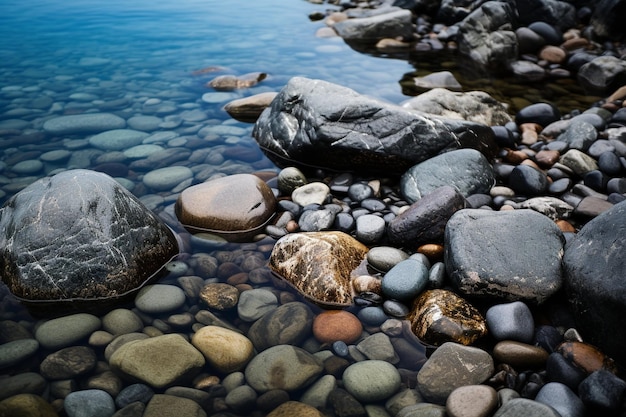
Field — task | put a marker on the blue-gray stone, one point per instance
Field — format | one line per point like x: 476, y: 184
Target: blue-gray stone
x: 579, y: 135
x: 370, y: 228
x: 511, y: 255
x: 316, y: 220
x: 133, y: 393
x: 511, y: 321
x: 383, y: 258
x: 83, y: 124
x: 89, y: 403
x: 405, y: 280
x: 373, y: 316
x: 562, y: 399
x: 602, y: 392
x: 467, y: 170
x: 559, y: 369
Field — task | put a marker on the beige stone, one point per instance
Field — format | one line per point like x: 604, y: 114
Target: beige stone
x: 294, y: 408
x: 225, y: 350
x: 162, y: 405
x: 158, y: 361
x: 248, y: 109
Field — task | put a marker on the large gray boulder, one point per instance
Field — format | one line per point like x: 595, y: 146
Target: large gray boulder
x: 505, y: 255
x: 594, y: 268
x: 79, y: 239
x: 373, y: 28
x: 486, y: 35
x: 317, y: 123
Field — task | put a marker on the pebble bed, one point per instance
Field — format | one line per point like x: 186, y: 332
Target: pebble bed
x: 252, y: 345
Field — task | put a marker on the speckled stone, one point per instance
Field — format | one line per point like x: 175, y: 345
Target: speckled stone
x: 319, y: 265
x: 371, y: 380
x: 472, y: 401
x: 219, y: 295
x: 311, y: 193
x: 289, y: 324
x: 68, y: 363
x: 439, y: 316
x: 14, y: 352
x: 523, y: 407
x: 452, y: 366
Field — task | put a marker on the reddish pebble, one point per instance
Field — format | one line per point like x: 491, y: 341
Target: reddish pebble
x: 586, y: 356
x: 565, y: 226
x: 333, y: 325
x: 433, y: 251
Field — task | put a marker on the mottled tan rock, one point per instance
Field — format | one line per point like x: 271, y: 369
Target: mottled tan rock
x: 248, y: 109
x: 319, y: 265
x: 440, y: 316
x: 294, y: 408
x: 553, y: 54
x: 234, y: 82
x: 68, y: 363
x: 519, y: 355
x: 163, y: 405
x: 234, y: 207
x: 225, y: 350
x: 219, y: 296
x: 158, y: 361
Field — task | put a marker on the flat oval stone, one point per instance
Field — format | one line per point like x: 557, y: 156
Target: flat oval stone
x: 69, y: 362
x: 91, y: 402
x: 383, y: 258
x: 234, y: 207
x: 121, y: 321
x: 14, y: 352
x: 405, y: 280
x: 225, y: 350
x: 452, y: 366
x: 311, y: 193
x: 165, y: 179
x: 294, y: 408
x: 440, y: 316
x: 288, y: 324
x: 27, y: 405
x: 159, y: 298
x: 83, y: 123
x: 371, y: 380
x: 520, y: 355
x: 282, y: 367
x: 219, y: 295
x: 248, y: 109
x: 117, y: 139
x: 319, y: 265
x: 254, y: 304
x: 65, y: 331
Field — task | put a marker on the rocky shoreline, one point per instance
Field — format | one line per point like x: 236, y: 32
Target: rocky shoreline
x: 486, y: 258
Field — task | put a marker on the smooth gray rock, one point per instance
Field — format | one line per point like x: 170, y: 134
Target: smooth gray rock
x: 486, y: 35
x: 594, y: 266
x: 317, y: 123
x: 89, y: 403
x: 396, y: 23
x: 511, y: 255
x: 475, y: 106
x: 603, y: 75
x: 511, y: 321
x: 405, y: 280
x: 467, y: 170
x: 83, y: 124
x: 562, y: 399
x: 80, y: 236
x: 371, y: 380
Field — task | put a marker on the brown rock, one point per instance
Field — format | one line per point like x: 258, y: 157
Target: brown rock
x: 232, y: 82
x: 565, y: 226
x: 294, y: 408
x: 586, y: 356
x: 219, y: 296
x: 68, y: 363
x: 575, y: 43
x: 333, y: 325
x: 162, y: 405
x: 515, y: 157
x: 433, y: 251
x: 248, y: 109
x: 235, y: 207
x: 553, y: 54
x: 367, y: 283
x: 440, y: 316
x: 225, y: 350
x: 319, y: 265
x: 519, y: 355
x: 619, y: 94
x: 26, y: 405
x: 546, y: 158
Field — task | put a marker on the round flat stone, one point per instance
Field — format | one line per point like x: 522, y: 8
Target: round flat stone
x: 159, y: 298
x: 520, y: 355
x: 562, y: 399
x: 14, y: 352
x: 163, y: 179
x: 369, y: 228
x: 312, y: 193
x: 83, y: 124
x: 225, y: 350
x: 337, y: 325
x: 371, y: 380
x: 472, y: 401
x: 527, y: 408
x: 28, y: 167
x: 91, y: 402
x: 117, y: 139
x: 405, y: 280
x: 219, y: 295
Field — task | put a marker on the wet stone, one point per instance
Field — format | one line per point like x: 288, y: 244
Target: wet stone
x: 452, y: 366
x: 372, y: 315
x: 383, y: 258
x: 234, y: 207
x: 319, y: 265
x: 312, y: 193
x: 219, y: 296
x: 527, y: 180
x: 294, y: 408
x: 336, y: 325
x: 370, y: 228
x: 159, y: 298
x: 344, y: 404
x: 92, y: 402
x: 65, y: 331
x: 121, y: 321
x: 511, y: 321
x: 405, y: 280
x: 602, y: 392
x: 289, y: 324
x: 83, y: 124
x: 225, y: 350
x: 316, y: 220
x: 163, y: 405
x: 289, y: 179
x: 560, y: 369
x: 25, y: 404
x: 117, y: 139
x: 255, y: 303
x: 440, y: 316
x: 541, y: 113
x: 12, y: 353
x: 378, y: 347
x: 371, y: 380
x: 579, y: 135
x: 520, y: 355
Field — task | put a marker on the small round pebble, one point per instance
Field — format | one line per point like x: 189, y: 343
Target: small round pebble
x: 371, y: 380
x: 383, y: 258
x: 337, y: 325
x: 513, y: 321
x: 312, y: 193
x: 472, y: 401
x: 370, y: 228
x: 373, y: 315
x: 159, y: 298
x: 121, y: 321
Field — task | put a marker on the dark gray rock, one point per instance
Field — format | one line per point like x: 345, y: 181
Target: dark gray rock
x: 511, y: 321
x: 467, y: 170
x: 603, y: 392
x: 541, y: 113
x: 288, y: 324
x: 526, y: 180
x: 486, y: 35
x: 453, y: 11
x: 396, y: 23
x: 555, y: 12
x: 607, y: 19
x: 594, y: 267
x: 425, y: 220
x: 80, y: 236
x: 317, y: 123
x: 579, y: 135
x: 603, y: 75
x: 511, y: 255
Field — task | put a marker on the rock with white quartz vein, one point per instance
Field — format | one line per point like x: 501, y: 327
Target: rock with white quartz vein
x: 79, y: 236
